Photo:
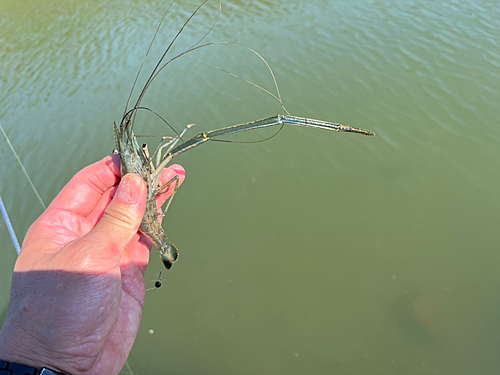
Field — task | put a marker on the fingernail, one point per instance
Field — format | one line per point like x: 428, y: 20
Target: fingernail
x: 130, y: 188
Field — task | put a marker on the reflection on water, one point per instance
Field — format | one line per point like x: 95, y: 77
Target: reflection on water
x: 312, y: 252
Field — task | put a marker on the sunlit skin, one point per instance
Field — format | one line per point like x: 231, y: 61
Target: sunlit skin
x: 78, y: 286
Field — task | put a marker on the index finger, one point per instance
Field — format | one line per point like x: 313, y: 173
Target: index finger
x: 83, y: 191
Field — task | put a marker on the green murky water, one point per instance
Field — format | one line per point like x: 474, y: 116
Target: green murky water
x: 314, y: 252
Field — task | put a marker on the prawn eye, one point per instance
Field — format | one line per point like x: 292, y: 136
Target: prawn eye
x: 158, y: 284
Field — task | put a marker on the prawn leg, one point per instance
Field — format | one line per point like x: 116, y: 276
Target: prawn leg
x: 173, y: 179
x: 171, y: 144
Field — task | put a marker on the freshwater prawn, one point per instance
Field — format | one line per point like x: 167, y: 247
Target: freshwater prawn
x: 136, y: 158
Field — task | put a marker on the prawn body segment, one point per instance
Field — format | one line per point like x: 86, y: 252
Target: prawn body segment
x: 135, y: 159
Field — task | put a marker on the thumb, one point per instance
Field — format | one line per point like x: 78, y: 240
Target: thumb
x: 122, y: 216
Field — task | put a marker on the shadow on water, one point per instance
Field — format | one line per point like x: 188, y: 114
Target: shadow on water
x: 419, y: 318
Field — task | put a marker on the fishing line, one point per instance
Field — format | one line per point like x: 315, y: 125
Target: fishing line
x: 9, y: 226
x: 2, y: 206
x: 22, y: 167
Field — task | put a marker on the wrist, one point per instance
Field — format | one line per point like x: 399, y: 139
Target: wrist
x: 30, y: 335
x: 13, y: 368
x: 18, y: 351
x: 12, y: 361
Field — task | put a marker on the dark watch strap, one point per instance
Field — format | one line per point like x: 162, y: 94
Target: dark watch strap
x: 9, y: 368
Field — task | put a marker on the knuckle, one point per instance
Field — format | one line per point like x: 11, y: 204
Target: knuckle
x: 121, y: 216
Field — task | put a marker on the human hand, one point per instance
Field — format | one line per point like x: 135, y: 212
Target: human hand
x: 78, y: 286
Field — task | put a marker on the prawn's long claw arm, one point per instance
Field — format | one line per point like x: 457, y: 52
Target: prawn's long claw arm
x: 264, y: 123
